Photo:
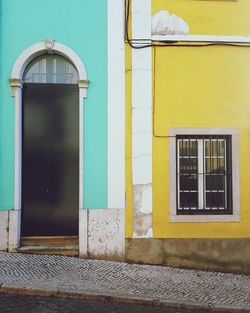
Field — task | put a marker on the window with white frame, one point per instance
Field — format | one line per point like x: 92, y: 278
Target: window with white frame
x: 204, y: 174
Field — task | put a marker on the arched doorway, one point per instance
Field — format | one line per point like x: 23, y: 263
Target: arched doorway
x: 50, y: 148
x: 21, y: 65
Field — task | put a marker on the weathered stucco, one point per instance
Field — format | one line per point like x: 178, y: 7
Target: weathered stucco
x: 226, y: 255
x: 9, y: 230
x: 102, y: 234
x: 4, y: 231
x: 142, y: 215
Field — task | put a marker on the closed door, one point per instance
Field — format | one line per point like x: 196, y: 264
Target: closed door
x: 50, y: 160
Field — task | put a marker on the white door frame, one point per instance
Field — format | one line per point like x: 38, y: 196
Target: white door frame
x: 44, y: 47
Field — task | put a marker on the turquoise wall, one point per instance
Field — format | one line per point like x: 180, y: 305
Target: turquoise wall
x: 81, y: 25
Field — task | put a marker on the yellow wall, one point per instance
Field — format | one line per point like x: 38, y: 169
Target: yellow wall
x: 198, y: 87
x: 128, y: 82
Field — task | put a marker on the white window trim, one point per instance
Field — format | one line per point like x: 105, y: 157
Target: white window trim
x: 173, y: 217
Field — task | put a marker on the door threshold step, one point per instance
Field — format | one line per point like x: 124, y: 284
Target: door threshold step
x: 70, y: 250
x: 50, y: 241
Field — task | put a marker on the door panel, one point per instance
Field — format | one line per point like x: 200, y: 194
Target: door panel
x: 50, y: 160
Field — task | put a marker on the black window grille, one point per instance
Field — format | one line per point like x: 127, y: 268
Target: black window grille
x: 204, y: 174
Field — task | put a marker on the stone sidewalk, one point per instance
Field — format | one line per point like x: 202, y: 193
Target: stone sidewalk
x: 46, y: 275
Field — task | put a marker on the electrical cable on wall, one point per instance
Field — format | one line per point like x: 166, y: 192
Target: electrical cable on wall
x: 132, y: 41
x: 132, y: 44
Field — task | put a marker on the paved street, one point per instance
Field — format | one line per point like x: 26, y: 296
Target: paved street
x: 94, y: 280
x: 30, y: 304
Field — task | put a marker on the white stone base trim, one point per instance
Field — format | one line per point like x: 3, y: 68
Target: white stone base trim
x: 14, y: 229
x: 10, y: 229
x: 105, y: 233
x: 101, y: 233
x: 83, y: 233
x: 4, y: 225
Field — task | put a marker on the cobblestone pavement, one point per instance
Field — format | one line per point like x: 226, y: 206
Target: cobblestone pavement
x: 30, y: 304
x: 115, y: 279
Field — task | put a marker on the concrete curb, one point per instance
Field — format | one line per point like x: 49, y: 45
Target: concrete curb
x: 57, y: 292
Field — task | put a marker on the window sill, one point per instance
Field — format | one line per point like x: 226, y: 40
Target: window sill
x: 204, y: 218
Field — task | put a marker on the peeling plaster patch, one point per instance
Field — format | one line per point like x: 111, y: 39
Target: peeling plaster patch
x: 142, y: 211
x: 149, y: 234
x: 164, y: 23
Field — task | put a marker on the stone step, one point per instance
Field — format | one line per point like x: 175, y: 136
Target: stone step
x: 50, y: 241
x: 67, y: 250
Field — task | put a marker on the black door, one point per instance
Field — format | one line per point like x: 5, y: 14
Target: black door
x: 50, y: 160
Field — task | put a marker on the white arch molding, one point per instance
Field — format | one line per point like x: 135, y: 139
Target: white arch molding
x: 48, y: 46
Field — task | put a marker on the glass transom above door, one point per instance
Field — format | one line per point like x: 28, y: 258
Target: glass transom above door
x: 51, y: 69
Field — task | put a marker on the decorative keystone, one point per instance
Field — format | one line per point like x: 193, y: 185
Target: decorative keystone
x: 49, y: 45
